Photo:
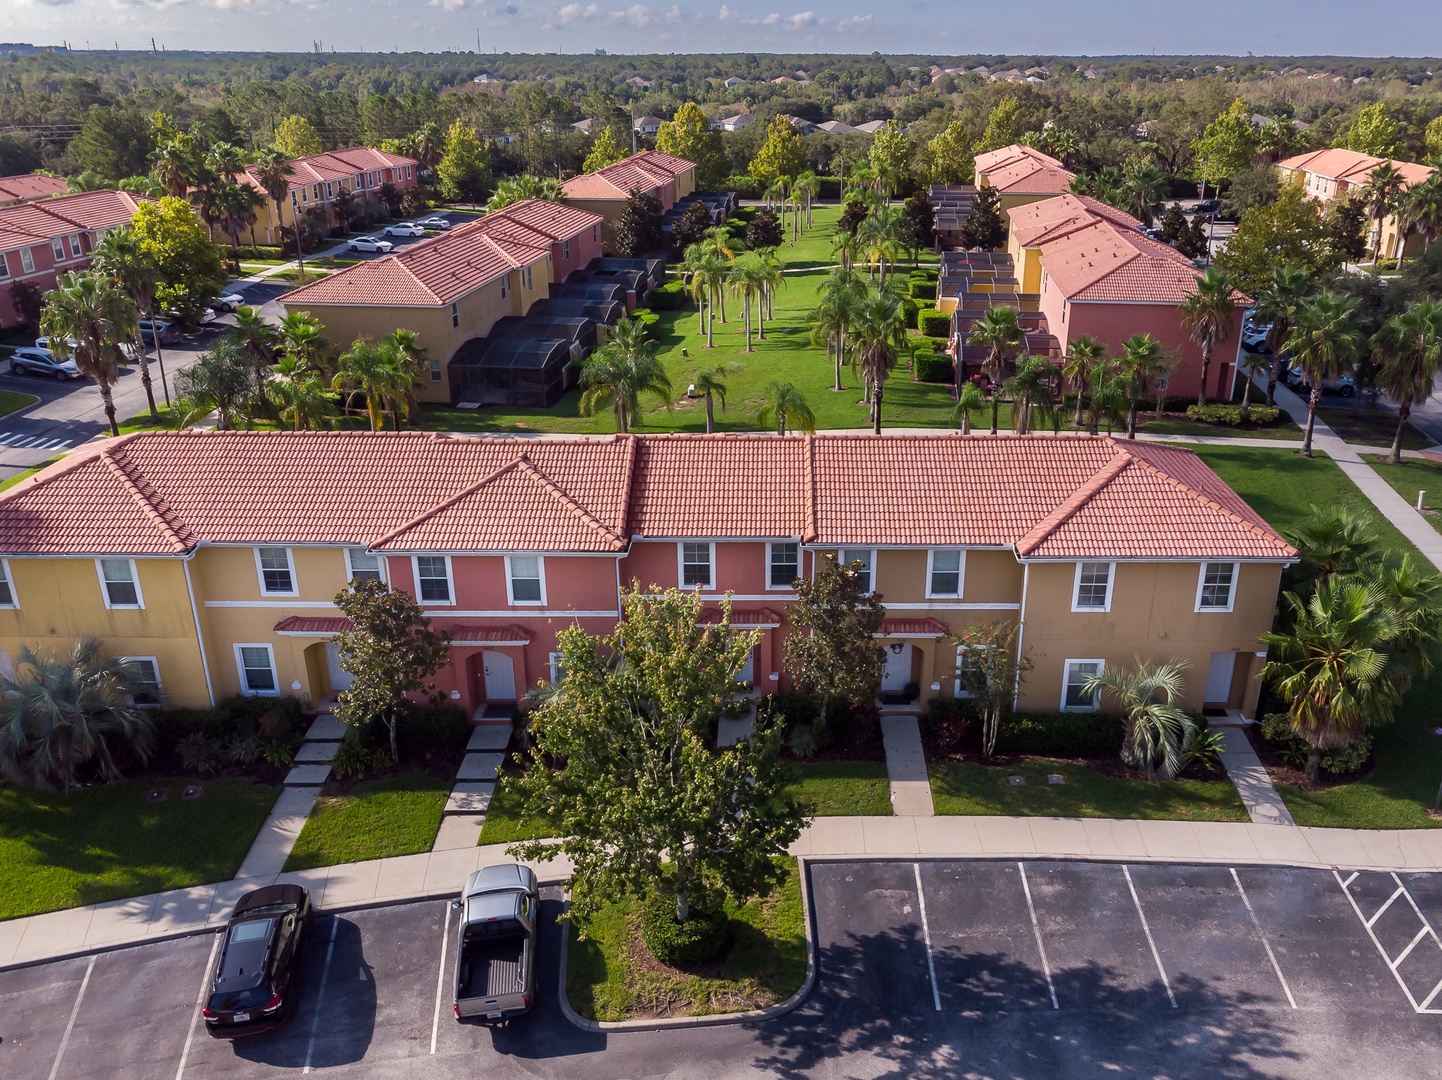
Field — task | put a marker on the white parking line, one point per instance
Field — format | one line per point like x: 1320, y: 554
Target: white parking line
x: 441, y: 977
x: 1036, y: 929
x: 199, y: 1000
x: 926, y: 936
x: 74, y: 1012
x: 1265, y: 943
x: 1423, y: 1006
x: 1127, y: 870
x: 320, y: 994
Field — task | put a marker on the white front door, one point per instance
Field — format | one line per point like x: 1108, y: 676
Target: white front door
x: 1219, y: 678
x: 896, y: 672
x: 340, y: 678
x: 500, y: 676
x: 747, y: 671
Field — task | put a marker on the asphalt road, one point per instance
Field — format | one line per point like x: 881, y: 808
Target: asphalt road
x: 933, y: 969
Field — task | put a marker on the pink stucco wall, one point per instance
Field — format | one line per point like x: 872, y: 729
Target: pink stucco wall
x: 584, y: 246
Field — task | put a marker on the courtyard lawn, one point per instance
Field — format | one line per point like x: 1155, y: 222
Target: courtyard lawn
x: 110, y: 841
x: 1284, y: 431
x: 842, y: 788
x: 505, y: 823
x: 1410, y: 477
x: 11, y: 402
x: 375, y: 819
x: 967, y: 787
x: 1371, y: 427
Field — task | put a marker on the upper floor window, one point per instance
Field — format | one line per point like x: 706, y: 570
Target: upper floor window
x: 456, y: 313
x: 505, y: 282
x: 119, y: 583
x: 696, y: 563
x: 362, y: 565
x: 75, y: 249
x: 943, y: 575
x: 27, y: 260
x: 1216, y: 586
x: 58, y: 246
x: 277, y: 575
x: 565, y: 249
x: 1093, y: 586
x: 784, y: 565
x: 433, y: 579
x: 7, y: 590
x: 525, y: 583
x: 864, y: 556
x: 4, y: 267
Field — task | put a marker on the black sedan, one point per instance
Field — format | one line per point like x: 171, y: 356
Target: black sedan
x: 257, y: 975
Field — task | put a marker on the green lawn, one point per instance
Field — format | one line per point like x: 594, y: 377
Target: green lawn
x: 108, y: 842
x: 610, y: 975
x: 376, y: 819
x: 11, y: 402
x: 841, y: 788
x: 1410, y: 477
x: 506, y: 824
x: 966, y: 787
x: 1371, y: 427
x: 1284, y: 431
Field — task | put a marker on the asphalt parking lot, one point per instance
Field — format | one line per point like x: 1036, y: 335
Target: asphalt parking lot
x: 930, y: 969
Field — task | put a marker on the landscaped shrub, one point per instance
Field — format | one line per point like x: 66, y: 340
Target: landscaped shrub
x: 1081, y: 734
x: 933, y: 367
x: 1277, y: 730
x: 909, y: 308
x: 802, y: 741
x: 354, y: 758
x: 933, y: 323
x: 923, y: 290
x: 669, y: 297
x: 1231, y: 415
x: 946, y: 721
x: 648, y: 320
x: 426, y: 731
x: 683, y: 945
x: 746, y: 187
x: 201, y: 752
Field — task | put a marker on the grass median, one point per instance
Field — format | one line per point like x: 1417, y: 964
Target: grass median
x: 373, y: 819
x: 841, y: 788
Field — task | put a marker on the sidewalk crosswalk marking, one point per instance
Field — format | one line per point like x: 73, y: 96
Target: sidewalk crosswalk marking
x: 16, y: 440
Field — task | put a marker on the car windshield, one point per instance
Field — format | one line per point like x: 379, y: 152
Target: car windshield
x: 251, y: 930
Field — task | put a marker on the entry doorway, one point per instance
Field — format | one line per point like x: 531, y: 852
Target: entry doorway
x: 499, y: 676
x: 1219, y: 679
x: 340, y: 678
x: 747, y: 672
x: 896, y: 672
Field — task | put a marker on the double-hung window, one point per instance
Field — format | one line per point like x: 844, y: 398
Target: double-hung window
x: 505, y: 281
x: 75, y: 249
x: 783, y: 564
x: 943, y: 574
x: 455, y: 315
x: 433, y: 579
x: 696, y: 563
x: 256, y: 664
x: 1216, y: 586
x: 7, y: 589
x: 119, y: 583
x: 525, y: 581
x: 865, y: 557
x: 557, y: 664
x: 1074, y: 694
x: 277, y: 575
x: 58, y: 246
x: 145, y: 685
x: 27, y: 260
x: 435, y: 371
x: 362, y: 565
x: 968, y: 671
x: 1093, y: 591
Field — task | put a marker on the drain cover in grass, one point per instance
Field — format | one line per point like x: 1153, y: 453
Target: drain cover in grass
x: 155, y: 795
x: 1016, y: 781
x: 1055, y: 778
x: 192, y: 791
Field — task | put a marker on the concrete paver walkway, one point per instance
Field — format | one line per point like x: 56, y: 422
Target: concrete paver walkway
x: 1245, y: 770
x: 906, y: 766
x: 465, y: 811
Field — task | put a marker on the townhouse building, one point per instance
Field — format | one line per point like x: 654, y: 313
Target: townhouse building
x: 42, y: 239
x: 23, y: 188
x: 649, y: 172
x: 1021, y: 175
x: 212, y: 558
x: 317, y: 179
x: 455, y: 287
x: 1337, y: 173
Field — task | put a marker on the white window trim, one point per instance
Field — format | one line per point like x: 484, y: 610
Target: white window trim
x: 27, y: 260
x: 159, y: 686
x: 1066, y: 681
x: 139, y: 604
x: 960, y: 574
x: 76, y: 248
x: 553, y: 667
x: 240, y: 668
x: 958, y: 688
x: 450, y: 581
x: 14, y: 604
x: 871, y: 564
x: 710, y: 585
x: 1231, y: 593
x: 350, y: 570
x: 541, y: 572
x: 1076, y: 587
x: 772, y: 544
x: 294, y: 589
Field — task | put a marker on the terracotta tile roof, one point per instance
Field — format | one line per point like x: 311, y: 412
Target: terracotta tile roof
x: 1034, y: 224
x: 313, y: 625
x: 15, y: 189
x: 555, y: 220
x: 467, y: 635
x: 644, y: 171
x: 162, y: 493
x: 28, y: 223
x: 1352, y: 167
x: 334, y: 165
x: 1023, y: 170
x: 763, y: 618
x: 913, y: 628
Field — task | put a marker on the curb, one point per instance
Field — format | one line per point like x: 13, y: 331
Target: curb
x: 716, y: 1019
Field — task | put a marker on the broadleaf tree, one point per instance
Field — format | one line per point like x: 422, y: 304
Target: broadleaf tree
x: 781, y: 155
x: 645, y: 802
x: 689, y: 135
x: 188, y: 267
x: 464, y: 171
x: 991, y: 669
x: 832, y: 652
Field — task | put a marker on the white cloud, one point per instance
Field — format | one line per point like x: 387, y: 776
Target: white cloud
x: 799, y: 21
x: 854, y: 22
x: 447, y: 5
x: 639, y: 16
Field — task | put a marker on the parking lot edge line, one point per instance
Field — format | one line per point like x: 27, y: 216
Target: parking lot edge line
x: 1408, y: 894
x: 1036, y: 929
x: 440, y: 977
x: 1263, y: 937
x: 1351, y: 878
x: 1146, y: 929
x: 320, y: 994
x: 70, y: 1026
x: 926, y: 936
x: 195, y: 1013
x: 1381, y: 951
x: 1383, y: 909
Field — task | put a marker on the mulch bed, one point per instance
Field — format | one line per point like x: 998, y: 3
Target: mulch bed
x: 1280, y: 772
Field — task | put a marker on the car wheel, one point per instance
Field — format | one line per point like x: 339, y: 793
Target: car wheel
x: 61, y: 376
x: 352, y: 248
x: 17, y: 369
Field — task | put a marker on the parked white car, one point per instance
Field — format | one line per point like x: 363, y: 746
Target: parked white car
x: 227, y: 302
x: 370, y: 243
x: 33, y: 361
x: 405, y: 228
x: 434, y: 223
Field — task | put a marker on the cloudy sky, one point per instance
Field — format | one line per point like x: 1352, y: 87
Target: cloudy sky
x: 954, y: 27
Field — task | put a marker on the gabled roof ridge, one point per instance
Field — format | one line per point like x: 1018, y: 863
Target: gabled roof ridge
x: 628, y: 497
x: 445, y: 504
x: 527, y: 466
x: 1114, y: 467
x: 808, y: 464
x: 151, y: 503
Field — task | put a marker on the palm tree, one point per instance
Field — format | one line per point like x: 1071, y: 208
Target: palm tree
x: 1030, y: 390
x: 708, y: 279
x: 430, y: 143
x: 223, y: 381
x: 998, y: 331
x: 175, y: 166
x: 124, y: 260
x: 808, y: 184
x: 771, y: 277
x: 1412, y: 593
x: 842, y: 293
x: 519, y: 188
x: 1409, y: 349
x: 1158, y: 733
x: 273, y: 170
x: 1334, y: 542
x: 878, y: 238
x: 621, y: 371
x: 299, y: 395
x: 93, y: 314
x: 1209, y: 314
x: 1331, y: 663
x: 878, y: 335
x: 1325, y: 340
x: 1252, y: 365
x: 1143, y: 188
x: 66, y: 715
x: 236, y: 206
x: 260, y: 338
x: 1422, y: 209
x: 969, y: 401
x: 1140, y: 361
x: 1082, y: 356
x: 845, y: 247
x: 378, y: 372
x: 1381, y: 193
x: 787, y: 407
x: 745, y: 281
x: 718, y: 241
x: 1277, y: 304
x: 710, y: 383
x: 303, y: 336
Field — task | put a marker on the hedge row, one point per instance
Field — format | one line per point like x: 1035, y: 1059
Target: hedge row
x: 1080, y: 734
x: 933, y: 323
x: 923, y: 290
x: 1231, y: 415
x: 909, y: 308
x: 668, y: 297
x: 931, y: 367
